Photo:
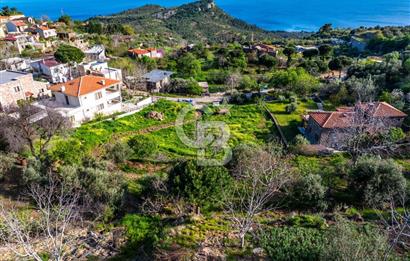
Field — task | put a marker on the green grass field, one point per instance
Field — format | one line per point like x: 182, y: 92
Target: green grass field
x: 290, y: 122
x: 246, y: 124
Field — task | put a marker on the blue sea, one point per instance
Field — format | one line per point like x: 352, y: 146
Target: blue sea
x: 288, y: 15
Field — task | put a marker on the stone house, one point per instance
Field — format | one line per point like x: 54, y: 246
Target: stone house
x: 96, y: 53
x: 327, y: 127
x: 19, y: 86
x: 157, y: 80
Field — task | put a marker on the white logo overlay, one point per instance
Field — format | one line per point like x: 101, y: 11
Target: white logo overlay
x: 210, y: 138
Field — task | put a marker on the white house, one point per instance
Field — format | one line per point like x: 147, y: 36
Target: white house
x: 46, y: 32
x: 52, y: 70
x: 96, y: 53
x: 100, y: 69
x: 85, y: 97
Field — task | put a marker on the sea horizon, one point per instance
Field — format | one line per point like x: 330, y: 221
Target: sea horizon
x: 273, y: 15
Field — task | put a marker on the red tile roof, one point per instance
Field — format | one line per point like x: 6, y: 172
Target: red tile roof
x: 50, y: 62
x: 83, y: 85
x: 138, y: 51
x: 342, y: 117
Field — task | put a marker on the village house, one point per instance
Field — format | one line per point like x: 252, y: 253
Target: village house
x: 301, y: 49
x: 84, y: 98
x: 98, y: 68
x: 21, y: 41
x: 262, y: 49
x: 95, y: 53
x: 157, y: 80
x: 19, y: 86
x: 323, y: 127
x: 15, y: 64
x: 46, y: 32
x: 52, y: 70
x: 16, y: 26
x: 149, y: 52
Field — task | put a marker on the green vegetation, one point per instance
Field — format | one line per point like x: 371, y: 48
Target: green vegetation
x: 68, y: 54
x: 290, y: 121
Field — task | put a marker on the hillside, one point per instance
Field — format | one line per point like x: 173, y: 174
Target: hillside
x: 197, y: 21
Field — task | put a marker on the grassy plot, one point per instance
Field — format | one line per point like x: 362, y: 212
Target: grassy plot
x: 246, y: 124
x: 94, y: 134
x: 290, y: 121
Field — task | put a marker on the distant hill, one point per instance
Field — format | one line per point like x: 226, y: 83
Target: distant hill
x: 197, y: 21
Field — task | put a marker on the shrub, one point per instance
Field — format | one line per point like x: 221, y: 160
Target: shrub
x: 101, y: 187
x: 345, y: 239
x: 376, y: 181
x: 70, y: 152
x: 142, y: 229
x: 143, y: 146
x: 118, y: 152
x: 308, y: 193
x: 310, y: 221
x: 293, y: 243
x: 290, y: 108
x: 200, y: 185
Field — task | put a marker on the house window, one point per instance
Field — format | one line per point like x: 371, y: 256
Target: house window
x: 67, y: 100
x: 98, y: 95
x: 100, y: 107
x: 17, y: 89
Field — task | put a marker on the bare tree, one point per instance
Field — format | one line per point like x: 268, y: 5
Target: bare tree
x: 134, y: 77
x: 398, y: 226
x: 261, y: 175
x: 57, y: 214
x: 233, y: 81
x: 33, y: 127
x: 359, y: 131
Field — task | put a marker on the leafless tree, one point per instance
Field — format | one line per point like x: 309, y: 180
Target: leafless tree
x: 398, y: 226
x: 233, y: 81
x: 33, y: 127
x: 261, y: 175
x: 57, y: 213
x: 359, y: 131
x: 134, y: 77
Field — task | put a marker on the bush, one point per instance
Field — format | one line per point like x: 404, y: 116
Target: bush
x: 200, y: 185
x: 290, y: 108
x: 143, y: 146
x: 142, y: 230
x: 101, y: 187
x: 376, y: 181
x: 308, y: 193
x: 345, y: 239
x: 70, y: 152
x: 293, y: 243
x: 118, y: 152
x: 309, y: 221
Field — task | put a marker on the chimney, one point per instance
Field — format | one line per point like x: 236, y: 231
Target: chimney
x: 62, y: 88
x: 102, y: 82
